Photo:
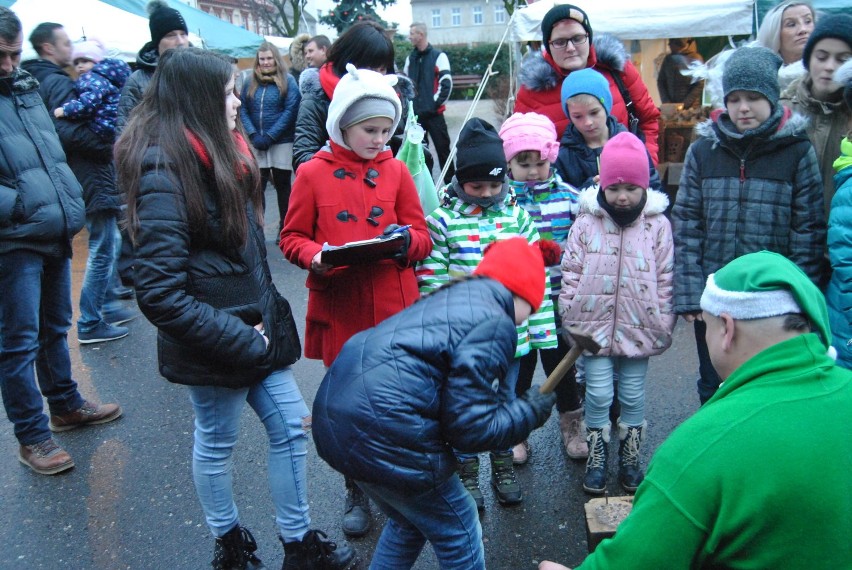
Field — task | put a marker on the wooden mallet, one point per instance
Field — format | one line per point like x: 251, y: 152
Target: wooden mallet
x: 581, y: 343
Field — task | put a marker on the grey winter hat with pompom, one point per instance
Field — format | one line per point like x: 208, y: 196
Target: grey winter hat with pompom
x: 843, y: 76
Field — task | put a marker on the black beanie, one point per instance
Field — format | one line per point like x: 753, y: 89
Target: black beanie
x: 163, y: 20
x: 563, y: 12
x: 479, y: 153
x: 834, y: 26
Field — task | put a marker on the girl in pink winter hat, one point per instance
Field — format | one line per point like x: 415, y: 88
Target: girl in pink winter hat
x: 98, y: 87
x: 531, y: 147
x: 617, y: 288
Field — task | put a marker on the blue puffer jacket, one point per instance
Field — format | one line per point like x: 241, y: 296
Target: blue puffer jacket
x: 578, y: 164
x: 838, y: 296
x: 270, y: 114
x: 41, y: 203
x: 400, y: 396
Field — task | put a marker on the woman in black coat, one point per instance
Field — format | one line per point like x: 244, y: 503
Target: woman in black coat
x: 195, y: 218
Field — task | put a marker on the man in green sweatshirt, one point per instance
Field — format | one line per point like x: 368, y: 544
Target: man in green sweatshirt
x: 759, y: 477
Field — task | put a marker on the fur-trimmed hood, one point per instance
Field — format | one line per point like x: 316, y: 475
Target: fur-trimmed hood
x: 656, y: 203
x: 19, y: 82
x: 793, y: 124
x: 297, y: 52
x: 539, y: 72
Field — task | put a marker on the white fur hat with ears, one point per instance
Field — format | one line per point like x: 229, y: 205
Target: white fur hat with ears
x: 357, y: 85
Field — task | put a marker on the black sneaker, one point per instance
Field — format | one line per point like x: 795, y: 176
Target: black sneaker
x: 506, y: 486
x: 119, y: 316
x: 235, y: 551
x: 103, y: 332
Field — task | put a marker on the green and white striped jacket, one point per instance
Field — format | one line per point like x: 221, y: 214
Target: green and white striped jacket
x: 460, y: 233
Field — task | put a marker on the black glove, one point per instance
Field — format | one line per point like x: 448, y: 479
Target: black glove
x: 406, y: 240
x: 259, y: 141
x: 542, y: 404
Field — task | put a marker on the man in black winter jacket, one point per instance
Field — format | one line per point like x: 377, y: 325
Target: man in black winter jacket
x: 41, y: 208
x: 90, y: 158
x: 429, y: 70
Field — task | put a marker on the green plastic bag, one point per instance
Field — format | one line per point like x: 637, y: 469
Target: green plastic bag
x: 412, y: 154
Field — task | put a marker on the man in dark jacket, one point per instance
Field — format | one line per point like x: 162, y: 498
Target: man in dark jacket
x: 90, y: 158
x: 429, y: 70
x: 168, y: 31
x: 400, y: 396
x: 41, y: 208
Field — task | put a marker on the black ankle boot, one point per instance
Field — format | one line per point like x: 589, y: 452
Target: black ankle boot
x: 594, y: 481
x: 356, y: 516
x: 630, y: 473
x: 316, y: 552
x: 235, y: 551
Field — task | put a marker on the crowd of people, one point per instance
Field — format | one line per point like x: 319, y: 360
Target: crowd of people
x: 554, y: 221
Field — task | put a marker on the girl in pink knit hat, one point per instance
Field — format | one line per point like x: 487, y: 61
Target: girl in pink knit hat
x: 531, y: 148
x: 617, y: 288
x: 98, y: 86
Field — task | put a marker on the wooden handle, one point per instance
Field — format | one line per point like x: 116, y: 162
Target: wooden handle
x: 561, y: 369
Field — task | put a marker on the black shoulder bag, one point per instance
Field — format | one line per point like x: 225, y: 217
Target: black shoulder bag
x: 632, y: 117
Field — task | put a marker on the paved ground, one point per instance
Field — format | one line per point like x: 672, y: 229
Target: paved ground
x: 130, y: 502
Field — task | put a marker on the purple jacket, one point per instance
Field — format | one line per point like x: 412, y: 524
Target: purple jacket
x: 617, y: 282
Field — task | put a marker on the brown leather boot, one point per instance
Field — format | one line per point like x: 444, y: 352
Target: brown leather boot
x: 573, y: 434
x: 89, y: 414
x: 45, y: 458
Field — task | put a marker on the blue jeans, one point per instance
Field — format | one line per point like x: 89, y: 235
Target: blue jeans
x: 445, y: 516
x: 99, y: 268
x: 599, y: 389
x: 505, y: 393
x: 35, y: 315
x: 708, y: 378
x: 279, y: 405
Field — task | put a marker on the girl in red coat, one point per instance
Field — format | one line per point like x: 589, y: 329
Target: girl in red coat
x: 354, y: 189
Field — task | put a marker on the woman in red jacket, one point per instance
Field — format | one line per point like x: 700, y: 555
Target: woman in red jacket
x: 569, y: 47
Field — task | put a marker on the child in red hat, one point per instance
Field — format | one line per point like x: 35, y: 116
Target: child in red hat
x: 402, y: 396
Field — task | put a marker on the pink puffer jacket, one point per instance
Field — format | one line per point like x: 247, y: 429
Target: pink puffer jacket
x: 617, y: 282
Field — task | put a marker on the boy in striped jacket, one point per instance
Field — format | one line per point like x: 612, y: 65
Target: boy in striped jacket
x: 478, y: 208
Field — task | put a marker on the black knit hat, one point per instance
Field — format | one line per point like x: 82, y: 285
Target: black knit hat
x: 479, y: 153
x: 835, y: 26
x: 753, y: 69
x: 563, y: 12
x: 163, y: 19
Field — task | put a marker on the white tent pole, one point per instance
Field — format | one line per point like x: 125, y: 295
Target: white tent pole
x: 482, y: 83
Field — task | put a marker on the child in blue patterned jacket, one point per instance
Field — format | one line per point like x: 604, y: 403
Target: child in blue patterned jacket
x: 531, y: 147
x: 479, y: 208
x: 98, y: 87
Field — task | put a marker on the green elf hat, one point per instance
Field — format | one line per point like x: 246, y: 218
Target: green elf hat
x: 765, y: 284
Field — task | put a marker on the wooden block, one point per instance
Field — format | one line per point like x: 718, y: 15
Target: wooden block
x: 603, y: 517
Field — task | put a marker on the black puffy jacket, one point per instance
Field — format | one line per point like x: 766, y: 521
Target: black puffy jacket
x: 134, y: 87
x: 203, y: 298
x: 89, y: 156
x: 41, y: 205
x: 401, y: 395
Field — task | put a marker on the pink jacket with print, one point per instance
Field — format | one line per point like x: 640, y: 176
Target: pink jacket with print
x: 617, y: 282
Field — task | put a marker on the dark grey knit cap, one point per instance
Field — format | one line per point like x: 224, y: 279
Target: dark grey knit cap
x: 753, y: 69
x: 563, y: 12
x: 479, y: 153
x: 838, y: 26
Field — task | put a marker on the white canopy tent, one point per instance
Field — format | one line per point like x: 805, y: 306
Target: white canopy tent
x: 122, y: 33
x: 646, y: 19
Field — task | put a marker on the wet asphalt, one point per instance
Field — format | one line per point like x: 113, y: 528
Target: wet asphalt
x: 130, y: 503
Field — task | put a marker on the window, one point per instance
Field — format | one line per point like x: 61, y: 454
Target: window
x: 456, y: 17
x: 477, y: 15
x: 436, y: 18
x: 499, y: 14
